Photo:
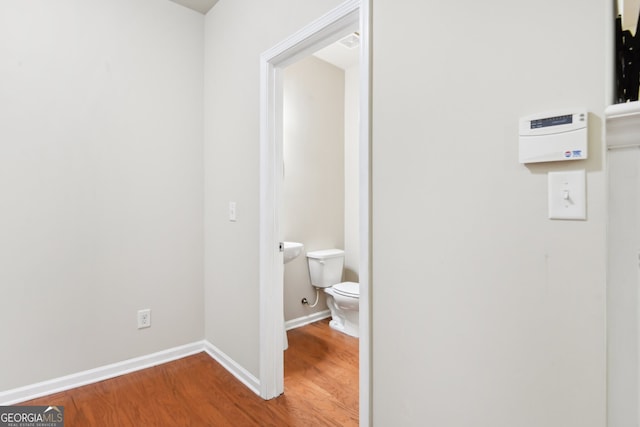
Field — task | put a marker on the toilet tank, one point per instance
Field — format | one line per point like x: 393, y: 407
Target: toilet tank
x: 325, y: 267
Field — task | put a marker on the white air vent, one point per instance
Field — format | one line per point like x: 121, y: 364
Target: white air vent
x: 351, y: 41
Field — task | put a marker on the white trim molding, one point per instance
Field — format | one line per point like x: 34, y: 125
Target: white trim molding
x: 365, y: 268
x: 113, y: 370
x: 327, y: 29
x: 102, y: 373
x: 244, y: 376
x: 305, y: 320
x: 320, y: 33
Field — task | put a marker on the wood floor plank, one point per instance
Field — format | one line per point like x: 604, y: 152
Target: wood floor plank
x: 321, y: 389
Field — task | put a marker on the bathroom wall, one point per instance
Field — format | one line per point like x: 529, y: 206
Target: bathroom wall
x: 101, y: 183
x: 313, y: 211
x: 352, y: 173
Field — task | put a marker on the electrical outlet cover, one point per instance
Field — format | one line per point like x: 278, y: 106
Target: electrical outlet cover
x: 144, y: 318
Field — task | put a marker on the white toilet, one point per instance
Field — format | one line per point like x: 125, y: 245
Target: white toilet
x: 343, y: 298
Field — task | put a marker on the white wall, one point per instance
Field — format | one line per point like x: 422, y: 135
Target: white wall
x: 623, y: 241
x: 485, y: 312
x: 351, y: 173
x: 313, y: 210
x: 101, y: 183
x: 237, y: 32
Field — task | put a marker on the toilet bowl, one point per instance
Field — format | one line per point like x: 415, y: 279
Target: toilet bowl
x: 343, y: 301
x: 343, y: 298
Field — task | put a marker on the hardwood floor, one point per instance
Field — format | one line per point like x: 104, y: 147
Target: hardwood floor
x: 321, y: 389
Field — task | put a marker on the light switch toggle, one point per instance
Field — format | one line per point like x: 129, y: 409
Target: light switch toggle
x: 567, y: 195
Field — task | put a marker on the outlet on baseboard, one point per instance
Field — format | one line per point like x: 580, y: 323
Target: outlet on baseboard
x: 144, y: 318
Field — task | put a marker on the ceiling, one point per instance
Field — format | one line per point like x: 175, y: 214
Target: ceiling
x: 337, y: 54
x: 340, y: 55
x: 202, y: 6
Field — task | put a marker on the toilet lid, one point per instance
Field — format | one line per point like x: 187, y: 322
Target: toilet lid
x: 348, y: 289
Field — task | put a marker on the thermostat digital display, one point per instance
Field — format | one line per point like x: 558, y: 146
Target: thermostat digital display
x: 552, y: 137
x: 552, y: 121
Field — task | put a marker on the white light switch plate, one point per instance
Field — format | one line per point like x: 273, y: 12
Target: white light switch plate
x: 567, y: 195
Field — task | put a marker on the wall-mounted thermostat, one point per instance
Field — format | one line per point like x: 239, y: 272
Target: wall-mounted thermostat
x: 552, y: 137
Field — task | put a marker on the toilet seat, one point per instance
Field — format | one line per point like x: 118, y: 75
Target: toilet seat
x: 347, y: 289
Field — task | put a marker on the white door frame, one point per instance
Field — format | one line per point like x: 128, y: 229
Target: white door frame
x: 320, y: 33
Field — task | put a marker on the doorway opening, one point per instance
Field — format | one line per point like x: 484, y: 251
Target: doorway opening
x: 350, y: 16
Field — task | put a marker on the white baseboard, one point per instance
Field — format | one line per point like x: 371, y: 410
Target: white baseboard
x: 305, y: 320
x: 230, y: 365
x: 113, y: 370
